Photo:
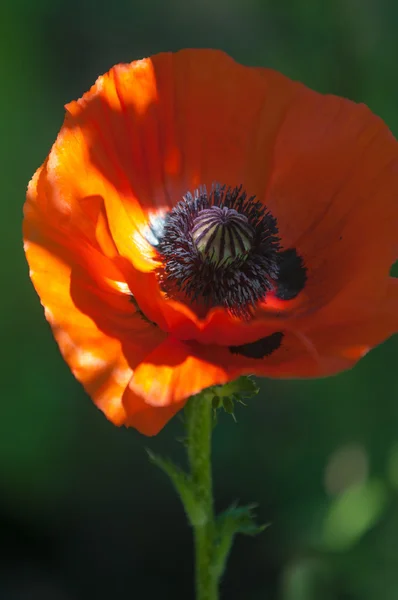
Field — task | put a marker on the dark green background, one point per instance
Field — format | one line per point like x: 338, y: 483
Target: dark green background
x: 82, y: 513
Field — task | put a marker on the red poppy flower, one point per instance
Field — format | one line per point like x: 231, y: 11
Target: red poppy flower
x: 197, y: 220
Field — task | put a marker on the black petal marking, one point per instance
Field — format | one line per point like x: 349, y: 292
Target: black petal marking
x: 261, y: 348
x: 139, y: 311
x: 292, y: 275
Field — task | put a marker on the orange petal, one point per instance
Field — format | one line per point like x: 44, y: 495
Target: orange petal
x: 147, y: 419
x: 297, y: 357
x: 321, y: 150
x: 318, y: 161
x: 333, y: 190
x: 149, y: 131
x: 355, y: 335
x: 100, y: 340
x: 221, y: 116
x: 321, y: 350
x: 172, y: 373
x: 86, y: 243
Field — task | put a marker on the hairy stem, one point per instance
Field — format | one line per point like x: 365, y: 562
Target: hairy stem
x: 199, y: 428
x: 213, y: 536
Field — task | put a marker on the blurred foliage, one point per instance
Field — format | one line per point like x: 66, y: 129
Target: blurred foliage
x: 82, y: 514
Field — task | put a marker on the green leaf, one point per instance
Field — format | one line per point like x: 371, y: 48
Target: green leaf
x: 243, y: 387
x: 228, y: 405
x: 236, y: 519
x: 184, y: 486
x: 225, y: 396
x: 216, y: 402
x: 239, y: 519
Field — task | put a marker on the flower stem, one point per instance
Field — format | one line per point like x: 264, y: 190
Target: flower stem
x: 199, y: 422
x: 213, y: 535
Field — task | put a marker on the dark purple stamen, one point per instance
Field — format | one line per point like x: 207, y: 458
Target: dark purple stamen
x: 222, y: 249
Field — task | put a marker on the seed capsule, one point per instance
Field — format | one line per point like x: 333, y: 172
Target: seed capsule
x: 222, y: 234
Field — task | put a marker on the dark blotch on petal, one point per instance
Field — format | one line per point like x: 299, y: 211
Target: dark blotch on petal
x: 292, y: 275
x: 261, y: 348
x: 139, y: 311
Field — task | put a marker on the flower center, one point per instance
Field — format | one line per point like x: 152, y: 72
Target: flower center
x: 221, y: 234
x: 223, y: 249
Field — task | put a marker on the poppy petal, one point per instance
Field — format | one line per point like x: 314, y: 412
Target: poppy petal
x: 95, y: 359
x: 225, y: 141
x: 147, y: 419
x: 99, y: 333
x: 172, y: 373
x: 356, y: 335
x: 334, y: 162
x: 85, y: 244
x: 73, y: 180
x: 287, y: 355
x: 320, y: 351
